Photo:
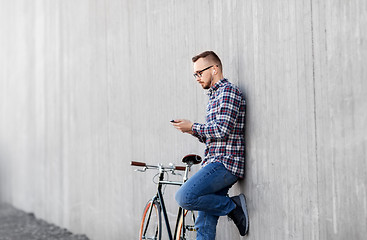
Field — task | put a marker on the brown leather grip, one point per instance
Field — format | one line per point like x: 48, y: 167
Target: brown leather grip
x: 140, y: 164
x: 180, y: 168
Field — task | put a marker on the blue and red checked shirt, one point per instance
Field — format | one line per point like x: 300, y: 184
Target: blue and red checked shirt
x: 223, y: 132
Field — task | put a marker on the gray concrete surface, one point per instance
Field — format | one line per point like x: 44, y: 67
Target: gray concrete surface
x: 19, y: 225
x: 87, y: 86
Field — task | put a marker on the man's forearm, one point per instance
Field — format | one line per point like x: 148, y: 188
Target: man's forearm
x: 212, y: 130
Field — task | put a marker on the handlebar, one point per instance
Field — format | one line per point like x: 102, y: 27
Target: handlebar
x: 142, y: 164
x: 139, y: 164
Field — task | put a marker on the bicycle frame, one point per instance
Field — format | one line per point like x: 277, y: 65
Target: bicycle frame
x: 189, y: 160
x: 159, y: 197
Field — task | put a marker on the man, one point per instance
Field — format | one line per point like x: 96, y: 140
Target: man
x: 223, y: 134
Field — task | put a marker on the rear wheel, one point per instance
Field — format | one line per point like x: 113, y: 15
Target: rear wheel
x: 150, y: 227
x: 186, y: 227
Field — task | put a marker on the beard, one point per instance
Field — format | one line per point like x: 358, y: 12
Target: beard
x: 207, y: 85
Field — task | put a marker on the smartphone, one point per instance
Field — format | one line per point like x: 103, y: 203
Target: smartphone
x: 172, y: 121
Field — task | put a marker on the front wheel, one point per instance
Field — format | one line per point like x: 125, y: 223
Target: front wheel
x: 150, y: 227
x: 186, y: 226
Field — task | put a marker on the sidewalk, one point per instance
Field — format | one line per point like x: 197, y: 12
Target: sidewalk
x: 18, y: 225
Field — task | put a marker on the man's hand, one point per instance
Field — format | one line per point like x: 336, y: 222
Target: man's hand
x: 183, y: 125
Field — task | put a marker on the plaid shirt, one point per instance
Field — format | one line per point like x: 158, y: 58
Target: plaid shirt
x: 223, y: 132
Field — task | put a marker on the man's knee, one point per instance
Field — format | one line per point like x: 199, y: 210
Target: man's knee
x: 185, y: 199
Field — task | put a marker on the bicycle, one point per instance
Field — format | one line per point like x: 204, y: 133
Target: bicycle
x: 151, y: 224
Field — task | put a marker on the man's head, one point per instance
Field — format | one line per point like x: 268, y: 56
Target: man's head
x: 207, y: 69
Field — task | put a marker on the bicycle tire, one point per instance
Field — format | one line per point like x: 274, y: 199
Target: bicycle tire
x: 151, y: 222
x: 190, y: 230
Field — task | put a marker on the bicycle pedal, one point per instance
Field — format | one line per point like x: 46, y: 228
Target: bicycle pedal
x: 190, y: 228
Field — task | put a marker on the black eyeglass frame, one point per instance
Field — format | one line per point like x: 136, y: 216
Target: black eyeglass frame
x: 199, y: 73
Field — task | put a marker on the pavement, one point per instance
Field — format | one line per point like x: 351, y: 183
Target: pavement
x: 19, y: 225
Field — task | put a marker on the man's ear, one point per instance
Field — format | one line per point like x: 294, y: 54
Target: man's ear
x: 215, y: 71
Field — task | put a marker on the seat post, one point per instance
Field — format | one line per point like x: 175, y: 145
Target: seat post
x: 188, y: 168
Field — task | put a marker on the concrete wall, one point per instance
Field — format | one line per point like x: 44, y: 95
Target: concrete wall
x: 87, y: 86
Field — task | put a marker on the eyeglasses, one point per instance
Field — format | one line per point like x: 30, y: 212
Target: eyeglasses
x: 199, y: 73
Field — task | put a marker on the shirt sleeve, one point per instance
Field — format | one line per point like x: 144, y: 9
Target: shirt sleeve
x: 194, y: 133
x: 220, y: 127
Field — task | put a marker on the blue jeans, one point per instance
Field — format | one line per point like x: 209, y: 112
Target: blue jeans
x: 206, y: 192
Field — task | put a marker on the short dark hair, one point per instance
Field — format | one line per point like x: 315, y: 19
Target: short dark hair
x: 209, y: 55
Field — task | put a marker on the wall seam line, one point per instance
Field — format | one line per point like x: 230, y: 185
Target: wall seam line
x: 315, y: 117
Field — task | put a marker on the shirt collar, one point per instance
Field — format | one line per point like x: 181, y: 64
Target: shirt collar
x: 213, y: 88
